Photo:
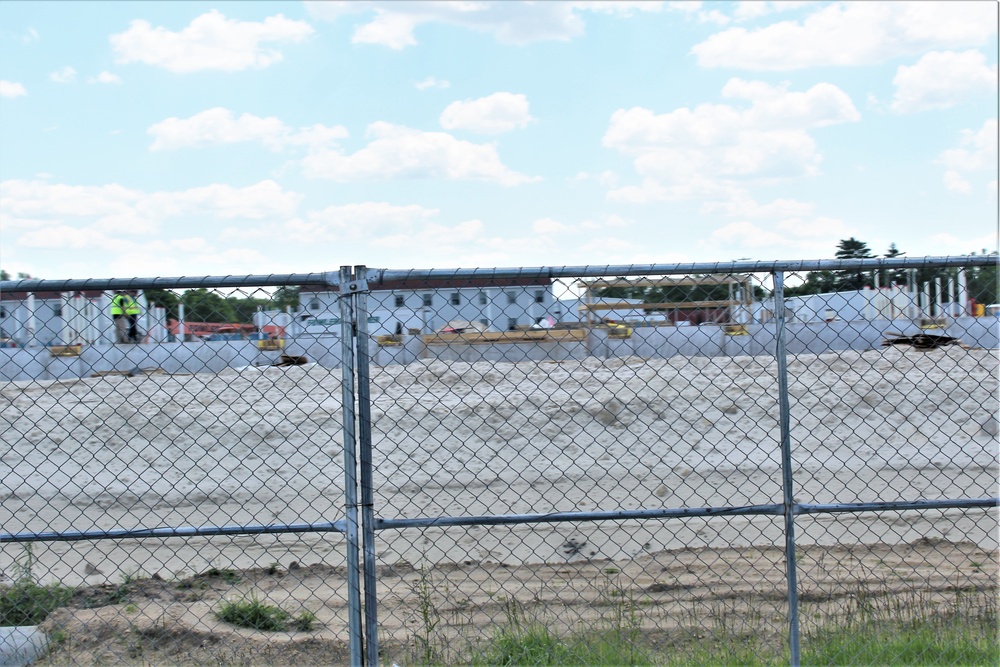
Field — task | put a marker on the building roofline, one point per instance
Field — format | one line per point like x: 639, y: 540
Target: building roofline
x: 446, y: 283
x: 49, y: 296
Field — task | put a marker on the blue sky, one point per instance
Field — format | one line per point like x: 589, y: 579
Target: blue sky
x: 187, y: 138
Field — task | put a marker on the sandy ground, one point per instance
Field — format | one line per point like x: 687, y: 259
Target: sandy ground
x: 261, y: 446
x: 672, y: 600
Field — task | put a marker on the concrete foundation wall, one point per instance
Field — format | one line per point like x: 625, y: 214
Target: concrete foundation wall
x: 509, y: 352
x: 24, y: 364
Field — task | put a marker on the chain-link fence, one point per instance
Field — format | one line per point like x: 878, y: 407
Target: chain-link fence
x: 736, y: 463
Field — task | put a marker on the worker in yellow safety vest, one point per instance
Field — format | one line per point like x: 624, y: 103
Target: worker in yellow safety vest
x: 132, y: 310
x: 124, y: 309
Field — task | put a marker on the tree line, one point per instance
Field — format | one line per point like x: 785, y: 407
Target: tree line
x: 982, y: 281
x: 202, y: 305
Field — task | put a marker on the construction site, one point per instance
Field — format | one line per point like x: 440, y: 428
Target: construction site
x: 56, y: 336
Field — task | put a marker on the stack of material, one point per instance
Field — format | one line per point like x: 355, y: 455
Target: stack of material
x: 291, y: 360
x: 921, y: 341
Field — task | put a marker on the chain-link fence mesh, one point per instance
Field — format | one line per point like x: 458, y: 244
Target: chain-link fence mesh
x: 635, y: 465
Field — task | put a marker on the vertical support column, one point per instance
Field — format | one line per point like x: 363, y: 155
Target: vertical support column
x: 963, y: 293
x: 938, y: 311
x: 29, y: 330
x: 367, y: 481
x: 786, y: 468
x: 348, y: 329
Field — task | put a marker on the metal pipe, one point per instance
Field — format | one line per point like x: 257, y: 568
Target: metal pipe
x: 682, y: 513
x: 367, y: 476
x: 347, y: 333
x: 183, y: 282
x: 181, y: 531
x: 899, y: 506
x: 560, y: 517
x: 786, y: 468
x: 377, y: 276
x: 937, y: 297
x: 963, y: 292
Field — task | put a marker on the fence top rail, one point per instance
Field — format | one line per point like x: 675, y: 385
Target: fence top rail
x: 182, y: 282
x: 375, y: 277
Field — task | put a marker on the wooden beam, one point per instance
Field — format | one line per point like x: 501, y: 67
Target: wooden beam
x: 661, y: 282
x: 676, y: 305
x: 506, y: 337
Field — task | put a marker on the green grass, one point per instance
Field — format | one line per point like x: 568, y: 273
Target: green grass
x: 918, y: 644
x: 965, y: 634
x: 537, y: 645
x: 28, y: 603
x: 253, y: 613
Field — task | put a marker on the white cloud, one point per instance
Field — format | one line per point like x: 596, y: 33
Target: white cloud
x: 751, y: 9
x: 63, y: 75
x: 209, y: 42
x: 130, y: 256
x: 942, y: 79
x: 105, y: 77
x: 431, y: 82
x: 706, y: 150
x: 713, y: 16
x: 977, y: 153
x: 494, y: 114
x: 549, y: 226
x: 953, y: 182
x: 30, y: 35
x: 12, y: 89
x: 509, y: 22
x: 852, y: 33
x: 355, y: 221
x: 686, y: 7
x: 121, y: 210
x: 400, y: 152
x: 796, y: 237
x: 946, y: 244
x: 979, y: 149
x: 220, y: 126
x: 741, y: 205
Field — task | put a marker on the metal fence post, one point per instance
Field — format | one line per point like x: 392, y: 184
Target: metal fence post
x: 786, y: 467
x: 367, y: 484
x: 348, y: 331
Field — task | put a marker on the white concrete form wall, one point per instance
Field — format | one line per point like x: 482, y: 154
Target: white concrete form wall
x: 27, y: 364
x: 503, y: 307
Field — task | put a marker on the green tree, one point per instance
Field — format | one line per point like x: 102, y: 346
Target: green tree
x: 4, y: 275
x: 244, y: 309
x: 287, y: 295
x: 164, y: 299
x: 984, y: 281
x: 200, y: 305
x: 892, y: 276
x: 816, y: 282
x: 852, y: 248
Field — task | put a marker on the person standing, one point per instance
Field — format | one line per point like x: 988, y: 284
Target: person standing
x: 132, y: 311
x: 119, y: 303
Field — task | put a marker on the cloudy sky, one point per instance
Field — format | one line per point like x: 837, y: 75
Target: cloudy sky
x: 185, y: 138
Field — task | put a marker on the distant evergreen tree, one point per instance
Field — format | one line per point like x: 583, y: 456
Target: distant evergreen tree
x: 852, y: 248
x: 892, y: 276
